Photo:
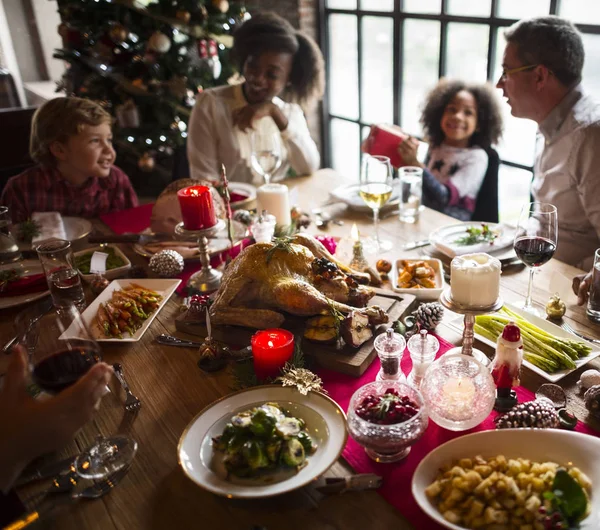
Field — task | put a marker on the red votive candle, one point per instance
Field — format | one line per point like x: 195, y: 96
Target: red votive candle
x: 271, y: 349
x: 197, y: 209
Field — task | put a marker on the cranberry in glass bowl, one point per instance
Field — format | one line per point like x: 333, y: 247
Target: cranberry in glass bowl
x: 386, y: 418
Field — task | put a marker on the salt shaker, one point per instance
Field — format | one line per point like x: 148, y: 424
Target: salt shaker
x: 423, y: 349
x: 390, y: 347
x: 263, y: 228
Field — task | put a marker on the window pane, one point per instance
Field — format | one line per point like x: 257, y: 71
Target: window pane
x: 513, y: 192
x: 343, y: 66
x: 481, y: 8
x: 421, y: 55
x: 341, y: 4
x: 423, y: 6
x: 518, y: 9
x: 345, y: 148
x: 377, y: 5
x: 467, y: 51
x: 580, y: 11
x: 377, y: 72
x: 500, y: 45
x: 591, y: 73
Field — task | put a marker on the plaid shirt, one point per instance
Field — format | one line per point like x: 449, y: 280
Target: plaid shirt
x: 42, y: 189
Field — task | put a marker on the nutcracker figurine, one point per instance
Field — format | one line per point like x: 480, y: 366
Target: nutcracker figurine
x: 506, y: 366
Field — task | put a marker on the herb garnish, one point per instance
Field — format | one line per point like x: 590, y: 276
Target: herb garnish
x: 477, y: 235
x: 8, y: 276
x: 279, y: 243
x: 567, y: 498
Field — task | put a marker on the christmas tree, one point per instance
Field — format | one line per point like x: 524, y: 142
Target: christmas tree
x: 145, y: 61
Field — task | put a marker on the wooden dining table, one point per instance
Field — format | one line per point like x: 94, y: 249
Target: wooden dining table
x: 156, y: 494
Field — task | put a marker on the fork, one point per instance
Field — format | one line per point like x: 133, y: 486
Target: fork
x: 131, y: 402
x: 568, y: 328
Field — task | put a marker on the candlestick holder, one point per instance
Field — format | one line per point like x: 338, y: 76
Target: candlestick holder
x: 469, y: 313
x: 207, y: 279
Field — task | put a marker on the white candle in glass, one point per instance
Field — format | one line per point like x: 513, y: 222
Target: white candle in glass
x: 458, y: 394
x: 275, y: 199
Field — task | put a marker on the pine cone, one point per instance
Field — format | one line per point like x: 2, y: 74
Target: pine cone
x: 429, y: 315
x: 539, y: 414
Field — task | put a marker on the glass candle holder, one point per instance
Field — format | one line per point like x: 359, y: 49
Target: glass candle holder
x: 271, y: 349
x: 459, y: 392
x: 263, y: 228
x: 390, y: 348
x: 422, y: 348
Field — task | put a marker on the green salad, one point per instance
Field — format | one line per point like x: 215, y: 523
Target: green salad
x: 263, y: 439
x: 113, y: 260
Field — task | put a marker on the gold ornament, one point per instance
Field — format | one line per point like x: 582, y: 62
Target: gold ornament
x: 183, y: 15
x: 221, y: 5
x: 556, y: 308
x: 304, y: 380
x: 159, y: 42
x: 118, y: 33
x: 146, y: 162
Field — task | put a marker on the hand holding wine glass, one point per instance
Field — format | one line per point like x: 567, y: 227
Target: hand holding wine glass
x: 266, y: 153
x: 535, y: 240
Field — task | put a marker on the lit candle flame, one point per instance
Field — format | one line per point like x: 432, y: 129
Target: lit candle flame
x: 355, y: 233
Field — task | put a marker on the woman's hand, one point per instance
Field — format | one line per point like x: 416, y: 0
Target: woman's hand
x: 245, y: 117
x: 581, y: 286
x: 408, y: 151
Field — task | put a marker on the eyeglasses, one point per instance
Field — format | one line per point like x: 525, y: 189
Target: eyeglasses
x: 508, y: 71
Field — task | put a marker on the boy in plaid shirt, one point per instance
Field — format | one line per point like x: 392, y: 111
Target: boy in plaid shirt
x: 71, y: 139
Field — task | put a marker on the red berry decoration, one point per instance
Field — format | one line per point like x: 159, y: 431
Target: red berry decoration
x: 388, y: 409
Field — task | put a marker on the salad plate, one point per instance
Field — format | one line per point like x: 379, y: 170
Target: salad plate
x: 325, y: 423
x: 453, y: 240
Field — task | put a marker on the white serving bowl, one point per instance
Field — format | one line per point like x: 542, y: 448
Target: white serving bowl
x: 421, y: 294
x: 111, y: 274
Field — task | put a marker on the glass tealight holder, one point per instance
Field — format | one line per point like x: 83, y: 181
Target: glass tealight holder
x: 422, y: 348
x: 263, y: 228
x: 459, y: 392
x: 390, y: 348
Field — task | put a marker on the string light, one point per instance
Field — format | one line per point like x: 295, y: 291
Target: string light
x: 148, y: 141
x: 130, y: 138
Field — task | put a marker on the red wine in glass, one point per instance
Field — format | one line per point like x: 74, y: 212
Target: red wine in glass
x: 64, y: 368
x: 534, y: 251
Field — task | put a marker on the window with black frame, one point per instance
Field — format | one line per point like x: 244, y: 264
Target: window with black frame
x: 383, y: 56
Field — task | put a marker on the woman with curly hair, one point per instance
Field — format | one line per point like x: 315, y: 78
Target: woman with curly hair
x: 275, y: 60
x: 461, y: 122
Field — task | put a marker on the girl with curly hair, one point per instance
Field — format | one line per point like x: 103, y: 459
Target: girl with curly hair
x: 275, y: 60
x: 461, y: 122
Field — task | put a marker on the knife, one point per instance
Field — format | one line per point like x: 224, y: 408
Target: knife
x: 416, y: 244
x: 45, y: 471
x: 142, y: 239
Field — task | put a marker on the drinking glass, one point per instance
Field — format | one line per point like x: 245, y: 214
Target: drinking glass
x: 266, y: 153
x: 411, y: 193
x: 535, y: 241
x: 375, y: 189
x: 593, y: 305
x: 58, y: 356
x: 64, y: 282
x: 9, y: 251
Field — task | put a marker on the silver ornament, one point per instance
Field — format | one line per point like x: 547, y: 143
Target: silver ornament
x: 167, y: 263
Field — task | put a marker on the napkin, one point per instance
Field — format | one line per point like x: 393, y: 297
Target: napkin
x: 51, y: 226
x: 26, y: 285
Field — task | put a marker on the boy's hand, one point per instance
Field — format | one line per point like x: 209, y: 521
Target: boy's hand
x: 408, y: 151
x: 245, y: 117
x: 581, y: 286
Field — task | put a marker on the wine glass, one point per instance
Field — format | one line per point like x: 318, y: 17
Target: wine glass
x: 266, y: 153
x: 535, y: 241
x: 58, y: 356
x: 375, y: 190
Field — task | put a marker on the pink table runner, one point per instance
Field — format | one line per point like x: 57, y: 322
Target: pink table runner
x: 397, y: 477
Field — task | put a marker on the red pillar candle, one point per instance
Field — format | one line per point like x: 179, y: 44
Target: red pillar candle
x: 197, y: 209
x: 271, y: 349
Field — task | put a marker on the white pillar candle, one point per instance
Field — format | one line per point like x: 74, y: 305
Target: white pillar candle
x: 475, y: 279
x: 275, y: 199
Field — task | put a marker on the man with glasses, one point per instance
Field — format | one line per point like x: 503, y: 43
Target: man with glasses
x: 541, y: 79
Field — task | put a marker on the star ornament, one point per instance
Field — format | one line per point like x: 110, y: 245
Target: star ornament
x: 304, y: 380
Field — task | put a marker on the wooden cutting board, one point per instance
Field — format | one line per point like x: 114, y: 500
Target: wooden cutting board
x: 347, y: 360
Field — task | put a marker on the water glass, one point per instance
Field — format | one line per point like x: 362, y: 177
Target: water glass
x: 9, y: 251
x: 593, y: 306
x: 63, y: 279
x: 266, y: 153
x: 411, y: 193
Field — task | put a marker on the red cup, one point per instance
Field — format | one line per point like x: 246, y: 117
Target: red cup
x: 271, y: 349
x: 197, y: 209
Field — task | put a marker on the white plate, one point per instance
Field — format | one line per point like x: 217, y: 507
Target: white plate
x: 76, y: 228
x: 458, y: 324
x: 539, y: 445
x: 27, y: 267
x: 349, y: 195
x: 215, y: 245
x: 243, y: 189
x: 325, y: 422
x: 421, y: 294
x: 443, y: 239
x: 163, y: 287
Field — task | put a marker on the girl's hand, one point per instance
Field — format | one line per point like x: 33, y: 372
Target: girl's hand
x: 581, y: 286
x: 245, y: 117
x: 408, y: 151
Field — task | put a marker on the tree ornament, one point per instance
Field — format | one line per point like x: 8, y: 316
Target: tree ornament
x: 429, y: 315
x: 538, y: 414
x: 159, y: 42
x: 221, y: 5
x: 556, y: 308
x: 183, y: 15
x: 209, y: 57
x: 128, y: 115
x: 166, y: 263
x: 592, y: 400
x: 118, y: 33
x: 304, y: 380
x: 146, y: 162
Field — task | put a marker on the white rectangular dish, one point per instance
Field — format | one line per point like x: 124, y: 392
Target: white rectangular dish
x: 458, y: 324
x: 110, y: 274
x: 424, y: 293
x: 163, y: 287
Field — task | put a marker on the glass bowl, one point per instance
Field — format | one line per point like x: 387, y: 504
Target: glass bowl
x: 386, y: 443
